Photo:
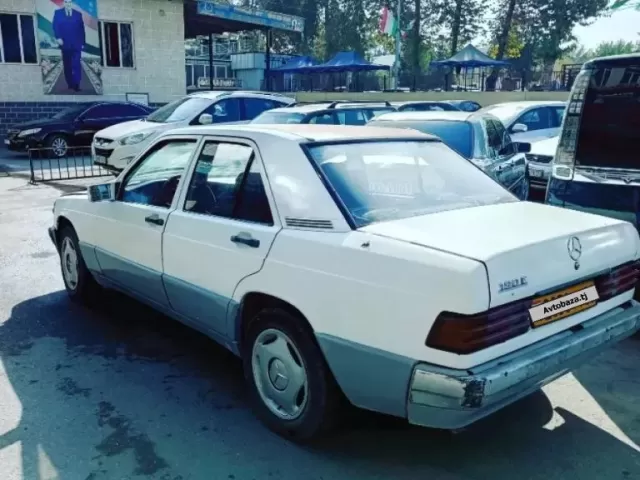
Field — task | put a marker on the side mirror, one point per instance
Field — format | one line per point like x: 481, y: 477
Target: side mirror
x: 523, y: 147
x: 103, y: 192
x: 519, y: 128
x: 205, y: 119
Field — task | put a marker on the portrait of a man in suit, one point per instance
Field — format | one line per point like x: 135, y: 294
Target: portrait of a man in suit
x: 69, y: 32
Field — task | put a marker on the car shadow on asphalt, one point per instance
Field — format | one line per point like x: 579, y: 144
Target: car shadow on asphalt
x: 121, y: 391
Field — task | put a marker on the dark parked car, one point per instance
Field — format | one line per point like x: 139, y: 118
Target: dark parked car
x: 73, y: 126
x: 465, y: 105
x: 425, y: 106
x: 333, y: 113
x: 478, y: 137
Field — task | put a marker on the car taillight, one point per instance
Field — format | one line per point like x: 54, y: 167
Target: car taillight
x: 618, y: 280
x: 464, y: 334
x: 565, y: 157
x: 456, y: 333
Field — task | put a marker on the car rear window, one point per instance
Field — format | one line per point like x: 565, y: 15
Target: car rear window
x: 389, y: 180
x: 278, y: 117
x: 457, y: 135
x: 608, y: 133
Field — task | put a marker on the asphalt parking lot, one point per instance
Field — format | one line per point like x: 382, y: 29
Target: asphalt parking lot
x: 120, y: 392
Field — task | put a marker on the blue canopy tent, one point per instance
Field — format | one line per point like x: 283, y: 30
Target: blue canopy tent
x: 297, y: 65
x: 470, y: 57
x: 344, y: 62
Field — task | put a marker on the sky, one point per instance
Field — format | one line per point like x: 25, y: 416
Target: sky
x: 622, y: 25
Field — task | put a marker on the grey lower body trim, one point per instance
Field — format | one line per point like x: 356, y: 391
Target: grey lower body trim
x: 144, y: 281
x: 202, y: 306
x: 370, y: 378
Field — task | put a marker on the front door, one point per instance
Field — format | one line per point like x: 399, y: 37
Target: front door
x: 219, y: 234
x: 129, y: 250
x: 509, y: 166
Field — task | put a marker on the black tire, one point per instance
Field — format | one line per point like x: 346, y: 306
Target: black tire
x: 325, y: 400
x: 85, y: 290
x: 53, y: 142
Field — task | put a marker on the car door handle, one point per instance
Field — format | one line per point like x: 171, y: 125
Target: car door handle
x: 248, y: 241
x: 154, y: 219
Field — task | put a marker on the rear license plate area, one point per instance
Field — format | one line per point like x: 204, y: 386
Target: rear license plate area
x: 563, y: 303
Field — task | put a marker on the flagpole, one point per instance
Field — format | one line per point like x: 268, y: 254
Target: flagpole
x: 398, y: 32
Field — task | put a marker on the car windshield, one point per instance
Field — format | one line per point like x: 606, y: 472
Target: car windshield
x: 69, y: 113
x: 457, y: 135
x: 391, y: 180
x: 272, y: 117
x: 179, y: 110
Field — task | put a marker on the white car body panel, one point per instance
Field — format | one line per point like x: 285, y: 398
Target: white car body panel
x: 381, y: 286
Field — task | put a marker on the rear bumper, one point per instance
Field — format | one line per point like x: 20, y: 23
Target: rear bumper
x: 450, y: 399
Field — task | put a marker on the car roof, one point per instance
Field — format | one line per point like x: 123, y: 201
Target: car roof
x: 317, y: 107
x: 419, y: 102
x: 307, y: 132
x: 613, y: 60
x: 434, y: 115
x: 215, y: 94
x: 507, y: 110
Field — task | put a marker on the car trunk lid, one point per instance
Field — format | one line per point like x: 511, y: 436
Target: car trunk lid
x: 528, y: 249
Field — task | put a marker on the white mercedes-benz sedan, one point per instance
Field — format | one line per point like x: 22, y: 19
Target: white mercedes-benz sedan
x: 360, y: 264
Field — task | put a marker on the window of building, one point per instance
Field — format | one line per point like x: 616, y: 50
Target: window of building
x: 116, y: 44
x: 17, y: 39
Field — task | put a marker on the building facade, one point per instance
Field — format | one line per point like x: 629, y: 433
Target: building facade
x: 129, y: 49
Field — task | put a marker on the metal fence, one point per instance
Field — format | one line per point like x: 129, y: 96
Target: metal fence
x: 76, y: 162
x: 432, y: 80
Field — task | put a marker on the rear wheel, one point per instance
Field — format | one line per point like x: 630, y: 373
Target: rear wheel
x: 78, y: 281
x: 291, y: 388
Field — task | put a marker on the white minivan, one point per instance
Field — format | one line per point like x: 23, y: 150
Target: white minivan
x: 115, y: 147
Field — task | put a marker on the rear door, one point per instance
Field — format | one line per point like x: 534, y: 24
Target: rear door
x: 220, y: 233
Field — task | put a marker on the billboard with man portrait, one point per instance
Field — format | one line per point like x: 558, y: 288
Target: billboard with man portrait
x: 68, y: 33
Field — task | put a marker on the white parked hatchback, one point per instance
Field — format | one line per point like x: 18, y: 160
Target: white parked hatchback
x: 115, y: 147
x: 364, y: 263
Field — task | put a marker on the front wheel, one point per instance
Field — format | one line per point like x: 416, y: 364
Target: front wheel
x: 58, y: 145
x: 290, y: 385
x: 78, y: 281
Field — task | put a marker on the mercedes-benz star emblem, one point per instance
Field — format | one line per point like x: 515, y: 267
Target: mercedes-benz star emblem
x: 574, y: 247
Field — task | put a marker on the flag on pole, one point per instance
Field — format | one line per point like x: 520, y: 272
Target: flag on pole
x: 406, y: 31
x: 388, y: 22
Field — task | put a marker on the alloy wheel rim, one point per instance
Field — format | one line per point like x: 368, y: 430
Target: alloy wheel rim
x: 280, y: 374
x: 59, y: 146
x: 69, y: 260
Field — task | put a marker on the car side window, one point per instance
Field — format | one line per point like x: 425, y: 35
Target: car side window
x: 227, y: 183
x: 506, y: 144
x: 132, y: 111
x: 323, y: 119
x: 557, y: 115
x: 351, y: 117
x: 99, y: 112
x: 225, y: 110
x: 255, y: 106
x: 536, y: 119
x: 493, y: 139
x: 154, y: 181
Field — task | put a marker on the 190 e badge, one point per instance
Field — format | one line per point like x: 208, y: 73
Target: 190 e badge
x: 512, y: 284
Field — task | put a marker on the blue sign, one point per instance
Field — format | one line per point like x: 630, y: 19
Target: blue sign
x: 265, y: 18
